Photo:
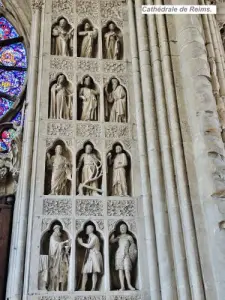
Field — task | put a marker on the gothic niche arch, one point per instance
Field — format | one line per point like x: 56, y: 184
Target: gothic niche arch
x: 89, y: 259
x: 62, y: 38
x: 88, y: 100
x: 116, y: 106
x: 54, y: 261
x: 118, y: 171
x: 123, y: 258
x: 89, y: 171
x: 112, y: 42
x: 60, y: 98
x: 58, y: 170
x: 87, y: 40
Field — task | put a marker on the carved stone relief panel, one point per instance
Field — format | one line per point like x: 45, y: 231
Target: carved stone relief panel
x: 89, y: 238
x: 117, y: 131
x: 55, y: 298
x: 58, y: 170
x: 91, y: 297
x: 89, y: 130
x: 126, y: 143
x: 123, y: 258
x: 59, y: 207
x: 114, y: 67
x: 63, y: 7
x: 51, y: 141
x: 121, y: 208
x: 87, y: 65
x: 88, y: 8
x: 119, y: 171
x: 60, y: 129
x: 89, y: 207
x: 54, y: 260
x: 89, y: 171
x: 127, y: 297
x: 80, y: 223
x: 62, y: 38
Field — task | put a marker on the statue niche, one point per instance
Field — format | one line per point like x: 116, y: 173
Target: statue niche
x: 61, y: 99
x: 123, y: 258
x: 89, y: 260
x: 115, y: 102
x: 118, y: 173
x: 62, y: 38
x: 58, y: 170
x: 87, y: 40
x: 112, y: 42
x: 89, y: 171
x: 54, y: 259
x: 88, y: 100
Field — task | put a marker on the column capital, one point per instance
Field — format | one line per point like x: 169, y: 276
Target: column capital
x: 37, y: 4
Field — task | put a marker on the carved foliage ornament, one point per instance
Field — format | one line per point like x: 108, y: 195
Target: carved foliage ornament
x: 89, y: 130
x: 125, y: 208
x: 37, y: 4
x: 57, y: 207
x: 63, y: 129
x: 87, y: 8
x: 88, y: 207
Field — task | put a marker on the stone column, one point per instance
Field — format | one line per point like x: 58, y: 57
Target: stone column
x: 165, y: 258
x: 147, y: 201
x: 20, y: 218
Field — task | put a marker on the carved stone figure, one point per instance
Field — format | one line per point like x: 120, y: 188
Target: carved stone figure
x: 112, y: 43
x: 89, y: 36
x: 89, y: 97
x: 93, y: 262
x: 119, y: 180
x: 61, y: 99
x: 58, y: 261
x: 91, y: 172
x: 62, y: 38
x: 116, y: 102
x: 125, y: 256
x: 61, y: 172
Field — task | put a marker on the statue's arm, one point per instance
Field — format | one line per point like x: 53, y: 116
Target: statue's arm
x: 113, y: 239
x: 80, y: 162
x: 55, y: 31
x: 89, y: 245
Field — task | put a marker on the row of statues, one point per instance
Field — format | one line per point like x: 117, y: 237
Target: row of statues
x: 89, y: 171
x: 61, y: 100
x: 87, y: 40
x: 55, y: 259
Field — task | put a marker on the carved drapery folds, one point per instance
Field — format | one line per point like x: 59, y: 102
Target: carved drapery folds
x: 54, y: 259
x: 112, y: 41
x: 87, y: 40
x: 58, y: 175
x: 90, y: 268
x: 62, y: 38
x: 61, y: 98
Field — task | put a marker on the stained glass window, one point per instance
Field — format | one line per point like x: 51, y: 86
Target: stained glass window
x: 13, y: 71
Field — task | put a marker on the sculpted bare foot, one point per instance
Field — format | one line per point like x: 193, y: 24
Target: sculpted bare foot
x: 122, y: 289
x: 130, y: 287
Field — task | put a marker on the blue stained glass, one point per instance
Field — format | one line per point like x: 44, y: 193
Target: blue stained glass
x: 5, y: 105
x: 3, y: 146
x: 13, y: 55
x: 11, y: 82
x: 7, y: 31
x: 17, y: 118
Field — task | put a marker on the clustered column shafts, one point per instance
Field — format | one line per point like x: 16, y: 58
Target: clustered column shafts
x: 165, y: 258
x: 177, y: 163
x: 147, y: 203
x: 165, y: 144
x: 20, y: 220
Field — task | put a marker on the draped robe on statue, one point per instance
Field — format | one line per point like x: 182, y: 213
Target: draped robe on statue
x: 58, y: 264
x: 60, y: 174
x: 89, y: 105
x: 61, y: 102
x: 62, y: 41
x: 119, y: 185
x: 112, y: 45
x: 88, y: 43
x: 118, y: 111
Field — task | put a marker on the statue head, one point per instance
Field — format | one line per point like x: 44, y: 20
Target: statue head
x: 118, y: 149
x: 112, y: 27
x: 88, y: 148
x: 61, y: 79
x: 115, y: 83
x: 90, y: 229
x: 58, y: 149
x: 63, y: 23
x: 87, y: 81
x: 87, y: 26
x: 123, y: 228
x: 57, y: 230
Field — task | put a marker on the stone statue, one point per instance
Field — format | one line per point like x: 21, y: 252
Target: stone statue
x: 89, y: 101
x: 118, y: 98
x: 125, y: 256
x: 89, y: 37
x: 58, y: 262
x: 62, y: 38
x: 119, y: 181
x: 112, y: 43
x: 61, y: 172
x: 93, y: 262
x: 61, y: 99
x: 91, y: 172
